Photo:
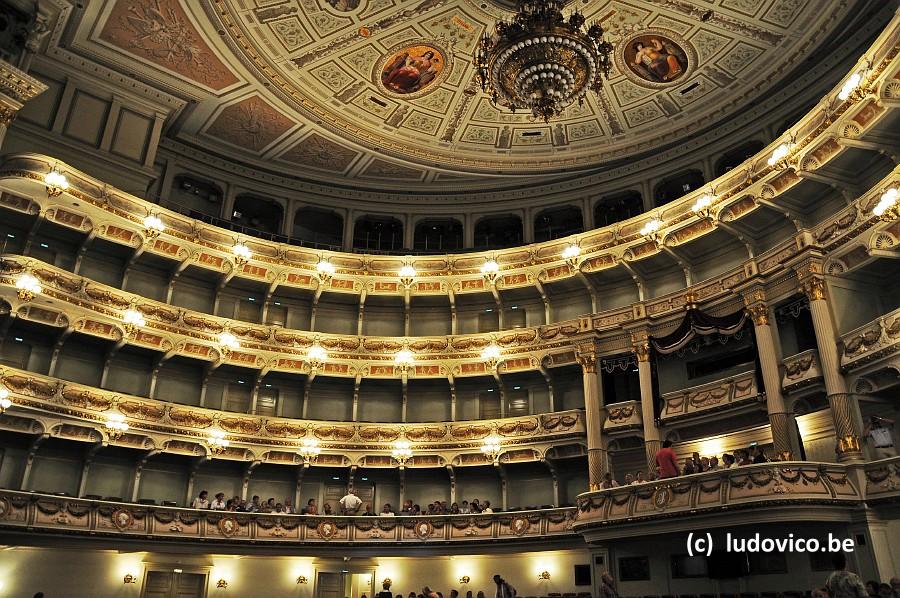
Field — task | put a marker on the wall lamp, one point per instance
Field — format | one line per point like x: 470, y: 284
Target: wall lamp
x: 222, y: 584
x: 464, y: 580
x: 302, y: 579
x: 129, y: 578
x: 544, y: 576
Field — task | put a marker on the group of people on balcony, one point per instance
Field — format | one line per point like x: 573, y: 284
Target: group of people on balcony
x: 503, y: 589
x: 236, y: 504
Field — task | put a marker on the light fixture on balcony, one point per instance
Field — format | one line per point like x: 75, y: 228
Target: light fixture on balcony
x: 851, y: 88
x: 407, y: 275
x: 217, y: 442
x: 133, y: 319
x: 570, y: 254
x: 651, y: 229
x: 5, y: 403
x: 703, y: 206
x: 222, y: 583
x: 463, y: 580
x: 490, y: 270
x: 780, y: 155
x: 544, y: 576
x: 491, y: 356
x: 129, y: 578
x: 229, y: 342
x: 404, y: 359
x: 27, y: 287
x: 116, y: 426
x: 153, y: 226
x: 302, y: 579
x: 325, y: 269
x: 402, y: 452
x: 242, y: 254
x: 316, y: 356
x: 541, y: 61
x: 491, y: 448
x: 887, y: 208
x: 310, y: 450
x: 55, y: 182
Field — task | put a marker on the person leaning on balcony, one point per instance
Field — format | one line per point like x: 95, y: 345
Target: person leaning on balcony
x: 608, y: 481
x: 842, y: 583
x: 665, y: 461
x: 386, y: 510
x: 728, y: 461
x: 350, y: 504
x: 219, y: 503
x: 310, y: 508
x: 878, y: 431
x: 487, y: 507
x: 202, y: 500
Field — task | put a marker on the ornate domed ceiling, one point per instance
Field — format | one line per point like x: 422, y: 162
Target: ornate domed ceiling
x: 383, y: 90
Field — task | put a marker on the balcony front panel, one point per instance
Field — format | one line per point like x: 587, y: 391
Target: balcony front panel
x: 732, y: 393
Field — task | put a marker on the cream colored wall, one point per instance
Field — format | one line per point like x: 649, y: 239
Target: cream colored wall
x: 86, y: 573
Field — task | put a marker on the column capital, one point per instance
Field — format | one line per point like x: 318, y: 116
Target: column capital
x: 587, y: 354
x: 814, y: 288
x: 640, y: 345
x: 7, y: 116
x: 760, y: 314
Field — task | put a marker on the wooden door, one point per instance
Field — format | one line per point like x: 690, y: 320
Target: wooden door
x: 330, y: 585
x: 168, y: 584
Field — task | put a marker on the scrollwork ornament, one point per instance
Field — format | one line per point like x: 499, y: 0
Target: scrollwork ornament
x: 814, y: 289
x: 760, y: 314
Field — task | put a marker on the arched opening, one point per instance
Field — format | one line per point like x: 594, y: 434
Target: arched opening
x: 438, y: 235
x: 318, y: 227
x: 554, y: 223
x: 734, y: 157
x: 258, y: 213
x: 674, y: 187
x: 378, y: 233
x: 198, y: 196
x: 497, y: 232
x: 617, y: 207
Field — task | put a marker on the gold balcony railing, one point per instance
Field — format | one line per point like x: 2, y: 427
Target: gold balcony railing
x: 733, y: 392
x: 871, y: 342
x: 801, y: 370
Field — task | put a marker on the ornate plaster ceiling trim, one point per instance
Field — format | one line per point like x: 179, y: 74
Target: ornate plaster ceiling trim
x: 250, y: 123
x: 169, y: 40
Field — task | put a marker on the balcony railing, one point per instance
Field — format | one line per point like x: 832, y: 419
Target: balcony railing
x: 752, y: 486
x: 715, y: 396
x: 872, y: 341
x: 622, y: 415
x: 801, y: 370
x: 35, y: 512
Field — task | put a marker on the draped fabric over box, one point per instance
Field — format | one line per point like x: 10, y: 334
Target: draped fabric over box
x: 695, y: 323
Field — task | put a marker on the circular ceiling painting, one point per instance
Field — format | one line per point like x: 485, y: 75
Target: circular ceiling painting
x: 413, y: 69
x: 655, y: 58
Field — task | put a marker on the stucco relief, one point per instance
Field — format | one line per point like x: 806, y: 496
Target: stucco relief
x: 252, y: 124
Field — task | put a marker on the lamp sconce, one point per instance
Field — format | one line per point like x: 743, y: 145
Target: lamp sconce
x: 222, y: 584
x: 153, y: 226
x: 544, y: 576
x: 464, y: 580
x: 407, y: 275
x: 650, y: 230
x: 55, y: 182
x: 490, y: 270
x: 387, y: 581
x: 781, y: 155
x: 5, y: 402
x: 570, y: 254
x: 129, y: 578
x: 888, y: 207
x: 302, y: 579
x: 27, y: 287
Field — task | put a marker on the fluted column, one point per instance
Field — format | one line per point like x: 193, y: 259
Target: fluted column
x: 844, y: 409
x: 641, y: 344
x: 594, y: 414
x: 780, y: 420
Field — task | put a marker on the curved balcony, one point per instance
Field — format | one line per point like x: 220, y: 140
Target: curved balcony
x: 824, y: 135
x: 29, y: 512
x: 871, y: 343
x: 735, y: 393
x: 765, y: 492
x: 801, y: 371
x: 42, y: 404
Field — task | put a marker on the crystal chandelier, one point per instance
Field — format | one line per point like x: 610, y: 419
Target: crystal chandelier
x: 542, y: 61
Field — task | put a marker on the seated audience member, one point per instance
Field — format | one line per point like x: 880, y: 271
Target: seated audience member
x: 608, y: 481
x: 469, y: 594
x: 430, y: 509
x: 416, y: 510
x: 279, y: 508
x: 407, y: 507
x: 464, y: 508
x: 202, y: 500
x: 885, y: 591
x: 350, y: 503
x: 688, y: 468
x: 665, y: 460
x: 713, y: 463
x: 288, y: 507
x: 270, y: 504
x: 229, y: 505
x: 366, y: 511
x: 757, y: 455
x: 411, y: 595
x: 453, y: 593
x: 326, y: 510
x: 254, y: 506
x: 386, y: 510
x: 895, y: 585
x: 629, y: 479
x: 872, y: 588
x: 487, y: 507
x: 219, y: 503
x: 480, y: 594
x: 819, y: 593
x: 429, y: 593
x: 639, y: 477
x: 704, y: 463
x: 697, y: 462
x: 728, y: 461
x: 310, y: 508
x: 454, y: 509
x: 475, y: 506
x: 386, y: 590
x: 743, y: 458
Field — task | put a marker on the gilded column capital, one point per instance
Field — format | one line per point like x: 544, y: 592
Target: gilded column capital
x: 642, y: 350
x: 7, y: 116
x: 587, y: 355
x: 760, y: 314
x: 814, y: 288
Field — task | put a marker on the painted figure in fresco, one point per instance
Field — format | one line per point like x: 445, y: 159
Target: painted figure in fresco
x: 344, y: 5
x: 658, y: 61
x: 408, y: 73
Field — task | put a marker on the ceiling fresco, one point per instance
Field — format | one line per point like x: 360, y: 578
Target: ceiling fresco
x: 384, y: 89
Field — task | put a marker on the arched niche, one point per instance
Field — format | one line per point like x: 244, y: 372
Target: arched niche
x: 438, y: 234
x: 617, y: 207
x: 378, y: 233
x: 317, y: 227
x: 676, y: 186
x: 557, y: 222
x: 259, y: 213
x: 497, y: 232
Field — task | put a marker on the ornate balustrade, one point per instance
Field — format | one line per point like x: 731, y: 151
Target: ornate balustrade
x: 736, y: 391
x: 42, y: 404
x: 44, y: 513
x: 883, y: 480
x: 871, y: 342
x: 621, y: 416
x: 801, y: 370
x: 749, y: 487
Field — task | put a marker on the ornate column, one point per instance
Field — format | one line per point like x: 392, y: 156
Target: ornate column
x: 16, y: 88
x: 641, y: 344
x: 594, y: 413
x: 780, y: 420
x: 844, y: 408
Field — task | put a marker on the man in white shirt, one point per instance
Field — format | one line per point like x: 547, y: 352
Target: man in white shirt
x: 350, y: 503
x: 880, y: 433
x: 219, y: 503
x: 487, y: 507
x: 202, y: 500
x: 608, y: 481
x: 387, y: 511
